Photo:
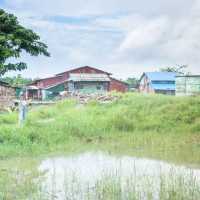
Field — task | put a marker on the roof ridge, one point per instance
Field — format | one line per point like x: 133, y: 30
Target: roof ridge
x: 77, y: 68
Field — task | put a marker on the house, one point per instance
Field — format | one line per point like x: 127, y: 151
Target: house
x: 78, y: 80
x: 118, y: 85
x: 7, y: 95
x: 187, y: 85
x: 158, y: 82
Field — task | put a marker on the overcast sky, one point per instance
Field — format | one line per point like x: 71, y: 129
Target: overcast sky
x: 124, y: 37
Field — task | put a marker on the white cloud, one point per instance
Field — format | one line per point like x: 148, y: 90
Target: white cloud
x: 165, y: 41
x: 101, y: 7
x: 125, y: 37
x: 146, y: 34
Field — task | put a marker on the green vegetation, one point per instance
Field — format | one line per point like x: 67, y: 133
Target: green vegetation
x: 115, y: 187
x: 132, y: 82
x: 179, y: 69
x: 30, y: 184
x: 19, y: 184
x: 158, y: 127
x: 14, y: 39
x: 154, y: 126
x: 17, y: 81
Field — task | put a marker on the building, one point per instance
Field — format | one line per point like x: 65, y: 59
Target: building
x: 158, y: 82
x: 85, y: 80
x: 7, y: 95
x: 118, y: 85
x: 188, y: 85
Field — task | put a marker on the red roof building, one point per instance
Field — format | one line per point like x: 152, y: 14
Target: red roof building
x: 82, y: 80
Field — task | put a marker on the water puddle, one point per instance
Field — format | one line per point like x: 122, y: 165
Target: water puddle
x: 102, y: 176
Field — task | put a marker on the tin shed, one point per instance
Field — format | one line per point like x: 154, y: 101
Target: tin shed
x: 158, y: 82
x: 86, y: 80
x: 188, y: 85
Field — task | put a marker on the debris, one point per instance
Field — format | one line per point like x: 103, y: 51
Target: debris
x: 86, y: 98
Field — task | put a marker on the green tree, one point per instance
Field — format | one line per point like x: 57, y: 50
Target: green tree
x: 179, y: 69
x: 132, y: 82
x: 14, y: 39
x: 17, y: 81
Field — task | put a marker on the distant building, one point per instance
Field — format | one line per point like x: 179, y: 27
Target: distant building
x: 7, y: 95
x: 79, y: 80
x: 188, y: 85
x: 158, y: 82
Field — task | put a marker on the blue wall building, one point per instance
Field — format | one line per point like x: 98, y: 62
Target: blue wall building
x: 158, y: 82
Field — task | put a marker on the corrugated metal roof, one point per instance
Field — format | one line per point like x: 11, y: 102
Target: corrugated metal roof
x: 54, y: 85
x: 89, y: 77
x: 163, y: 86
x: 79, y: 68
x: 161, y: 76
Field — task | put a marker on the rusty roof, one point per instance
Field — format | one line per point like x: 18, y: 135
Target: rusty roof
x: 88, y: 77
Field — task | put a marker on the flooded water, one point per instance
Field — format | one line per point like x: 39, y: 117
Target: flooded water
x: 89, y: 175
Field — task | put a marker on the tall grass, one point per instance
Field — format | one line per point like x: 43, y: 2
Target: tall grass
x: 23, y: 185
x: 154, y: 125
x: 178, y: 188
x: 27, y: 183
x: 20, y: 184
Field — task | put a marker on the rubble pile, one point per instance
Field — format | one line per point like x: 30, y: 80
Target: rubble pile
x: 6, y: 104
x: 86, y: 98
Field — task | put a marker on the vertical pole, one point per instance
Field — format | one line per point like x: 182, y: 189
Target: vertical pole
x: 22, y: 112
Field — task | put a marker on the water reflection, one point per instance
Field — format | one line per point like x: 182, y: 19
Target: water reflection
x: 80, y: 176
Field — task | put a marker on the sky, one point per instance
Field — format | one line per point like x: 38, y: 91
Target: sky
x: 124, y: 37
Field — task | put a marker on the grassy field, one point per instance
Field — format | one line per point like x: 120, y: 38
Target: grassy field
x: 160, y: 127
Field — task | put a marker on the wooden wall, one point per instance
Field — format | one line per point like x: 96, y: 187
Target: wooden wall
x: 7, y: 94
x: 118, y: 86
